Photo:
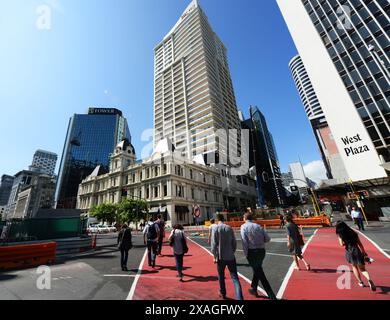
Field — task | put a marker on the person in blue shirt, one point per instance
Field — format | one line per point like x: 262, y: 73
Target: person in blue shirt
x: 254, y: 239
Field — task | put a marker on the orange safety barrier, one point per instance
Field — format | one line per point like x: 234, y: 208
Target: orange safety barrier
x: 322, y: 221
x: 27, y: 255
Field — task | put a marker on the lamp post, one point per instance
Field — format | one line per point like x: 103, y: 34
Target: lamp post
x: 380, y: 62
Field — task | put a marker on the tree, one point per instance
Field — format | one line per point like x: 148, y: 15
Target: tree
x: 105, y: 212
x: 131, y: 210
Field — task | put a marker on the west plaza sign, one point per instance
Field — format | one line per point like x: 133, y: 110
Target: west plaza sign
x: 354, y: 145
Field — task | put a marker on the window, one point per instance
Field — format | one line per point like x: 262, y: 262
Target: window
x: 147, y: 173
x: 191, y: 174
x: 192, y: 193
x: 165, y: 190
x: 156, y: 193
x: 205, y: 195
x: 147, y: 193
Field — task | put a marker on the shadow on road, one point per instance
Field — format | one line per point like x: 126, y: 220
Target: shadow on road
x: 5, y: 277
x: 200, y: 278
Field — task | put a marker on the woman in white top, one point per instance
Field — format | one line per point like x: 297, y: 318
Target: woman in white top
x: 177, y: 241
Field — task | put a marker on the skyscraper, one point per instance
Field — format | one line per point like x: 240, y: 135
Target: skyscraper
x: 329, y: 152
x: 264, y: 158
x: 345, y: 47
x: 6, y: 183
x: 89, y: 142
x: 44, y: 161
x: 193, y: 90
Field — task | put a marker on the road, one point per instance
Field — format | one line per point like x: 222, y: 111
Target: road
x: 98, y: 275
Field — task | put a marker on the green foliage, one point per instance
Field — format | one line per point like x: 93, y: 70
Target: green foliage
x: 131, y: 210
x: 105, y: 212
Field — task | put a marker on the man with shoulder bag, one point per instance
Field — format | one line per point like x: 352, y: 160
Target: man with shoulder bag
x: 124, y: 245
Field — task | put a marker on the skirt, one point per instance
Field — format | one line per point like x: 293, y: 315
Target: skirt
x: 354, y: 255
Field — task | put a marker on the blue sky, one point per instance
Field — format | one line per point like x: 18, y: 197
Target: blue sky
x: 100, y: 53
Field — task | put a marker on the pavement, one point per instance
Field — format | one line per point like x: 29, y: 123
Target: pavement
x: 98, y: 275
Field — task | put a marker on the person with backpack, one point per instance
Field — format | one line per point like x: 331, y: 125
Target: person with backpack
x: 223, y: 247
x: 295, y: 242
x: 151, y: 235
x: 177, y: 240
x: 124, y: 245
x: 161, y: 224
x: 355, y: 253
x: 254, y: 238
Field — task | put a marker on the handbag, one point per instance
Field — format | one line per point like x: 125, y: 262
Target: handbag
x: 300, y: 240
x: 172, y: 238
x: 184, y: 244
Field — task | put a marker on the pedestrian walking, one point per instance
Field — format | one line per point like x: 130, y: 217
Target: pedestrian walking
x: 124, y: 245
x: 357, y: 217
x: 212, y: 229
x: 295, y: 242
x: 151, y: 236
x: 177, y: 240
x: 354, y: 253
x: 254, y: 238
x: 223, y: 247
x: 161, y: 224
x: 282, y: 223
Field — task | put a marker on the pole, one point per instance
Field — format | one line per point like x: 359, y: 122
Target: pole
x: 316, y: 201
x: 361, y: 205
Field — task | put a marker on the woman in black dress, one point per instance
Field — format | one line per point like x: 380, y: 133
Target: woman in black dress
x: 354, y: 252
x: 295, y: 243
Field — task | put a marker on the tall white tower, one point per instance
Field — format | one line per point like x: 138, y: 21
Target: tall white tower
x: 193, y: 90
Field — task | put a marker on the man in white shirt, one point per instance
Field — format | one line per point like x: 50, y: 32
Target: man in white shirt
x: 358, y: 218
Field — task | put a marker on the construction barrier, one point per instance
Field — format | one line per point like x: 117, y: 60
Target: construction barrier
x: 27, y: 255
x: 322, y: 221
x: 75, y: 245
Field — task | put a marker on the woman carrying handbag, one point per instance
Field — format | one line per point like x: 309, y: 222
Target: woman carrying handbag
x: 177, y: 240
x: 295, y: 242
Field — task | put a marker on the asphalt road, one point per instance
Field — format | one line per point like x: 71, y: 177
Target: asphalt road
x: 95, y: 275
x: 98, y: 275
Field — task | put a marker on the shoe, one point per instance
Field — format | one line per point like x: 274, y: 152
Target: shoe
x: 308, y: 268
x: 153, y: 264
x: 125, y: 269
x: 223, y: 296
x: 372, y: 285
x: 253, y: 292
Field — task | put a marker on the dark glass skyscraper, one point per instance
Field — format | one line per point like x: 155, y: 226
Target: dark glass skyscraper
x: 90, y: 140
x: 264, y: 158
x: 6, y: 183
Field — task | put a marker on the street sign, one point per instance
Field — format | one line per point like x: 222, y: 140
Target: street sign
x: 358, y: 195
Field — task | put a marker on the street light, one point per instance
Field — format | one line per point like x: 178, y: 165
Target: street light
x: 380, y: 62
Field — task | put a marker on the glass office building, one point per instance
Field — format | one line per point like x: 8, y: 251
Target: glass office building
x: 356, y: 44
x: 269, y: 182
x: 90, y: 140
x: 345, y: 47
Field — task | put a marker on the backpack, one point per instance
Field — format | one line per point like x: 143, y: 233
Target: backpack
x: 152, y: 232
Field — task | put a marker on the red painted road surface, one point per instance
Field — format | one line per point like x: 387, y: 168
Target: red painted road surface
x: 200, y: 278
x: 325, y: 255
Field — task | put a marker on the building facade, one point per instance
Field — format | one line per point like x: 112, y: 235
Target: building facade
x: 89, y: 142
x: 6, y: 183
x: 170, y: 183
x: 30, y: 191
x: 345, y: 47
x: 44, y: 162
x: 330, y: 154
x: 34, y: 197
x: 264, y: 158
x: 193, y: 90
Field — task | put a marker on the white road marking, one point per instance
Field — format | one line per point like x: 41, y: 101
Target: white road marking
x: 291, y: 270
x: 120, y: 275
x: 272, y: 254
x: 239, y: 274
x: 138, y: 275
x: 375, y: 244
